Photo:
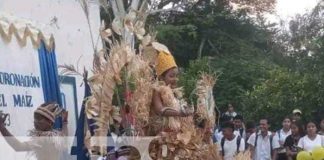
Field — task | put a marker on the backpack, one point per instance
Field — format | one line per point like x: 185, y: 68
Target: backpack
x: 256, y: 142
x: 241, y: 132
x: 279, y: 135
x: 238, y: 143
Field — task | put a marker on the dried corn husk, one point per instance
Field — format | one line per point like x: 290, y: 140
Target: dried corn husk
x: 139, y: 28
x: 243, y: 156
x: 185, y: 141
x: 206, y: 102
x: 129, y: 21
x: 149, y: 54
x: 117, y: 26
x: 102, y: 83
x: 188, y: 142
x: 147, y: 39
x: 160, y: 47
x: 142, y: 95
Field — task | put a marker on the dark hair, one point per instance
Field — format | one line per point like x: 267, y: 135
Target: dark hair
x: 165, y: 72
x: 311, y: 121
x: 287, y: 117
x: 321, y: 119
x: 225, y: 118
x: 228, y: 125
x: 250, y: 125
x: 300, y: 126
x: 267, y: 119
x: 318, y: 114
x: 238, y: 117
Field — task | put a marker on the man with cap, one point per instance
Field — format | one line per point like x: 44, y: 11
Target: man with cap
x: 296, y: 115
x: 46, y: 143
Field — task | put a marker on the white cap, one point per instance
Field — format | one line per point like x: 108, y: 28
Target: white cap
x: 297, y: 111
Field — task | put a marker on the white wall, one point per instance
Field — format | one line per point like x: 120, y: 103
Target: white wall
x: 72, y: 36
x: 71, y: 32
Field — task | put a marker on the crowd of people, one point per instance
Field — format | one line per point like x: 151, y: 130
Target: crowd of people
x: 234, y: 135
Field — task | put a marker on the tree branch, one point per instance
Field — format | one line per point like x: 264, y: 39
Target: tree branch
x: 135, y: 4
x: 213, y: 46
x: 163, y: 3
x: 201, y: 47
x: 165, y: 10
x: 121, y: 7
x: 114, y: 7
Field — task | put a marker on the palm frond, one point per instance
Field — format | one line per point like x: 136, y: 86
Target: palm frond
x: 69, y: 70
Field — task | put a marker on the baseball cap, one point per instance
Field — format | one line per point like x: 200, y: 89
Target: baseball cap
x: 297, y: 111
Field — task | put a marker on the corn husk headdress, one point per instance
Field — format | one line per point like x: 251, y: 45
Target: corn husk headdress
x: 49, y: 111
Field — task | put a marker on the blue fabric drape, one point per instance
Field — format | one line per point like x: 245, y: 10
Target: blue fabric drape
x: 50, y: 79
x: 79, y: 149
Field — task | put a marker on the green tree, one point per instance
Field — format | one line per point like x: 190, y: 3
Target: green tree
x: 284, y: 91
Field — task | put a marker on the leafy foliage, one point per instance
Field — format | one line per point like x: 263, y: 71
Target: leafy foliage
x: 275, y: 98
x: 263, y: 70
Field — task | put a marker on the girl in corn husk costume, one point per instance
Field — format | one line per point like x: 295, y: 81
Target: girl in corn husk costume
x: 167, y: 104
x: 182, y: 134
x: 156, y: 105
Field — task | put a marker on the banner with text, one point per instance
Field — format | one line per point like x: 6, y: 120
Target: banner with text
x: 20, y: 85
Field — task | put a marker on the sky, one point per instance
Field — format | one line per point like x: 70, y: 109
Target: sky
x: 286, y: 9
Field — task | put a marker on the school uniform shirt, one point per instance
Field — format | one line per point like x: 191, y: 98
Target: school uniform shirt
x: 230, y: 148
x: 281, y: 136
x: 308, y: 145
x: 263, y: 150
x: 219, y: 135
x: 231, y: 114
x: 241, y: 132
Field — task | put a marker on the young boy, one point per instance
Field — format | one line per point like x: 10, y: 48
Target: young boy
x: 230, y: 144
x: 46, y: 143
x: 262, y: 144
x: 239, y: 125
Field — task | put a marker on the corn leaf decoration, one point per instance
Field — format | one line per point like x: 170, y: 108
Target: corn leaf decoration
x: 191, y: 140
x: 142, y: 95
x: 108, y: 66
x: 243, y: 156
x: 205, y: 102
x: 99, y: 106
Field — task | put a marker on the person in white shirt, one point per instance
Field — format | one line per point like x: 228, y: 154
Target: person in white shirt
x: 281, y: 136
x: 239, y: 125
x: 311, y: 140
x: 230, y: 144
x: 230, y: 111
x: 219, y: 135
x: 262, y: 144
x: 250, y: 128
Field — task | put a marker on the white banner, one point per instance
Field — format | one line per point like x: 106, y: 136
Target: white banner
x: 20, y: 85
